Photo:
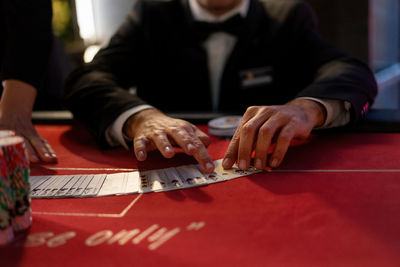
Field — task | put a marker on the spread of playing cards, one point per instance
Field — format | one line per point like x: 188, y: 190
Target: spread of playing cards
x: 95, y: 185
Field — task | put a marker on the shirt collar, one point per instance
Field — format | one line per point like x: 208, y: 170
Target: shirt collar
x: 201, y: 14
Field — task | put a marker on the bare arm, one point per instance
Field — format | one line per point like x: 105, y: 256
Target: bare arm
x: 15, y: 114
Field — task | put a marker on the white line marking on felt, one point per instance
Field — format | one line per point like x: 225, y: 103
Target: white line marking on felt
x: 109, y: 215
x: 91, y: 169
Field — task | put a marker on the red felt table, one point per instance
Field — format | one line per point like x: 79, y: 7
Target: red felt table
x: 335, y: 201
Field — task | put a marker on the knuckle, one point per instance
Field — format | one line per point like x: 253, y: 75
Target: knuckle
x: 247, y: 129
x: 265, y: 110
x: 265, y: 130
x: 252, y: 109
x: 178, y: 131
x: 157, y: 135
x: 175, y: 130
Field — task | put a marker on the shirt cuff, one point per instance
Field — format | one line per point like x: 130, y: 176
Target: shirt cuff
x: 337, y: 112
x: 114, y: 133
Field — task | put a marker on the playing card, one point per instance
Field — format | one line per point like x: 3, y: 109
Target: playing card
x: 64, y: 190
x: 191, y: 175
x: 85, y: 181
x: 234, y: 172
x: 89, y: 185
x: 112, y: 185
x: 40, y: 190
x: 153, y: 180
x: 95, y: 185
x: 132, y: 183
x: 79, y: 180
x: 174, y: 178
x: 54, y: 187
x: 35, y: 181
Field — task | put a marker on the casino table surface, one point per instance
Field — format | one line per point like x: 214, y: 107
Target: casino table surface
x: 335, y: 201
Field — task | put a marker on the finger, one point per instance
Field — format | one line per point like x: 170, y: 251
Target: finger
x: 284, y: 138
x: 232, y: 151
x: 31, y: 152
x: 204, y: 138
x: 139, y: 147
x: 50, y: 149
x: 186, y: 139
x: 265, y: 135
x: 204, y: 159
x: 231, y: 154
x: 248, y: 133
x: 163, y: 145
x: 41, y: 148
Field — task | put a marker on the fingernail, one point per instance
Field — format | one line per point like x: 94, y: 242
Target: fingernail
x: 242, y: 164
x: 274, y: 163
x: 191, y: 147
x: 168, y: 149
x: 226, y: 162
x: 140, y: 154
x: 53, y: 155
x: 209, y: 166
x: 47, y: 155
x: 259, y: 164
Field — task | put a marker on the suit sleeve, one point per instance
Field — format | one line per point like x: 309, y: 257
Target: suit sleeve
x: 333, y: 74
x: 97, y: 93
x: 27, y: 32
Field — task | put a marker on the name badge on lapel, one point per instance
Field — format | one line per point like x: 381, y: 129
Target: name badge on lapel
x: 256, y: 77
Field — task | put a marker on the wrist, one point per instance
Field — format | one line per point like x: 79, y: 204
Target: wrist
x: 315, y: 110
x: 136, y: 119
x: 18, y: 97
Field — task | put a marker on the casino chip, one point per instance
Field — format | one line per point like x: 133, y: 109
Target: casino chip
x: 224, y: 126
x: 15, y: 210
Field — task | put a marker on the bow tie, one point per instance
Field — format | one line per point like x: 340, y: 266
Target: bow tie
x: 233, y: 25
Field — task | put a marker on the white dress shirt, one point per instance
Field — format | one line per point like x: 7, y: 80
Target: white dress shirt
x: 219, y: 46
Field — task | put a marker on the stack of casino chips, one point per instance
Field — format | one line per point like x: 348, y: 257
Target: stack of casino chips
x: 224, y: 126
x: 15, y: 211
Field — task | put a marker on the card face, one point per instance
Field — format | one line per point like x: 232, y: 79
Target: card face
x: 40, y: 190
x: 75, y: 186
x: 59, y: 182
x: 112, y: 185
x: 35, y: 181
x: 234, y: 172
x: 191, y: 175
x: 67, y: 186
x: 157, y: 180
x: 95, y: 185
x: 153, y: 180
x: 132, y: 183
x: 210, y: 178
x: 81, y: 188
x: 175, y: 181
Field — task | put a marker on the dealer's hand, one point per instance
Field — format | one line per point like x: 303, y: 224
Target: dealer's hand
x: 151, y: 129
x: 261, y: 125
x: 15, y: 114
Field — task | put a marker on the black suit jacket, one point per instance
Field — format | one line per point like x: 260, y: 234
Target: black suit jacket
x: 157, y: 51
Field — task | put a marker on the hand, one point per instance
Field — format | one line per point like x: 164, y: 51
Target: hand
x: 151, y: 129
x: 15, y: 114
x: 261, y: 125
